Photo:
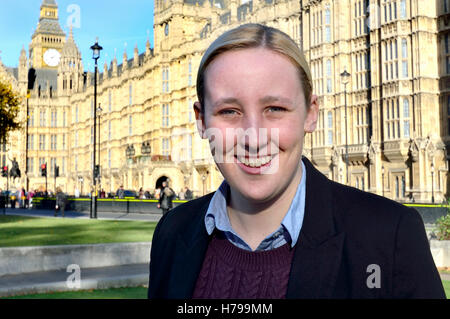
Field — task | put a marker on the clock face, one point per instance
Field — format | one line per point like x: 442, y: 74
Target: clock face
x: 51, y: 57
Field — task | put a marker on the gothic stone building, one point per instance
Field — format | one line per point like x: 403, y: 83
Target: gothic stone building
x: 384, y: 129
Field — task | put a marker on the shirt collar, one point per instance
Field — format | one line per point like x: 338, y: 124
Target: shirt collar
x: 217, y: 216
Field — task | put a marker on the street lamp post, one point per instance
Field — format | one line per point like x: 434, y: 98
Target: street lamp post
x: 432, y: 182
x: 96, y: 48
x: 99, y: 111
x: 345, y: 76
x: 31, y: 80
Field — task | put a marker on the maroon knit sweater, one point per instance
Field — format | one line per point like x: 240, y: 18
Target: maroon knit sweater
x: 229, y: 272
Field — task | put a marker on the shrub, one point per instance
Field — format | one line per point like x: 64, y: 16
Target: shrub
x: 443, y: 225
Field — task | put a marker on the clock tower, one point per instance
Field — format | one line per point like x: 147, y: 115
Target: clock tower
x: 48, y: 39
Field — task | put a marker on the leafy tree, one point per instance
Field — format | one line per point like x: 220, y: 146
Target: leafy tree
x: 9, y: 110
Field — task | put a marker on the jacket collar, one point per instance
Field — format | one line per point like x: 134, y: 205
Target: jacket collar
x: 317, y: 255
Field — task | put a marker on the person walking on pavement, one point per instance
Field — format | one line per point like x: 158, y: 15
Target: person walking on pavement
x: 60, y: 202
x: 166, y: 198
x: 120, y: 192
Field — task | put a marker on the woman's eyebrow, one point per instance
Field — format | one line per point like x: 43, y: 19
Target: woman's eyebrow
x: 264, y: 100
x: 226, y: 100
x: 272, y: 99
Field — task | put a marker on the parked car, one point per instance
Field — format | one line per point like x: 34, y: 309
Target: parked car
x: 129, y: 194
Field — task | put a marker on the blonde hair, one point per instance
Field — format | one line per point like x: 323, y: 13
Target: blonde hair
x: 253, y: 35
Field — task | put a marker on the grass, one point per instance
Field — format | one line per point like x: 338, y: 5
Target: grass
x: 446, y: 284
x: 32, y: 231
x: 113, y: 293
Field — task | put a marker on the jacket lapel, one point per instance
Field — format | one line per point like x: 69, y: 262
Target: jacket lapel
x: 318, y: 252
x: 190, y: 250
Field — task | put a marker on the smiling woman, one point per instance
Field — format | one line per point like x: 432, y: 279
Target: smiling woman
x: 277, y: 227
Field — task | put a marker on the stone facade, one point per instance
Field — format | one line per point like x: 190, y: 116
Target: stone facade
x: 386, y: 131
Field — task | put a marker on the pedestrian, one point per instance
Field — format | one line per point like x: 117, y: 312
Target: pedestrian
x: 120, y: 192
x: 141, y: 194
x: 166, y: 198
x: 77, y: 193
x: 277, y: 227
x: 102, y: 193
x: 188, y: 193
x: 60, y: 202
x: 30, y: 196
x: 181, y: 195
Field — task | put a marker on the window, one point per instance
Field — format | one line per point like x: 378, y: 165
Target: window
x: 190, y: 111
x: 330, y: 128
x: 393, y: 119
x: 403, y: 9
x: 391, y: 60
x: 328, y: 73
x: 362, y: 124
x: 76, y: 139
x: 52, y: 166
x: 403, y: 187
x: 63, y: 166
x: 404, y: 58
x: 42, y: 115
x: 360, y: 17
x: 165, y: 79
x: 64, y: 118
x: 130, y: 125
x: 189, y: 147
x: 190, y: 73
x: 76, y: 163
x: 53, y: 119
x: 109, y: 158
x: 109, y: 101
x: 165, y: 146
x: 53, y: 142
x: 130, y: 94
x: 64, y: 141
x: 31, y: 119
x: 42, y: 142
x: 406, y: 128
x: 327, y: 25
x: 30, y: 142
x: 109, y: 130
x: 165, y: 115
x: 76, y: 114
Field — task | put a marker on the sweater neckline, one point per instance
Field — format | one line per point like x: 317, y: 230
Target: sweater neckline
x: 251, y: 260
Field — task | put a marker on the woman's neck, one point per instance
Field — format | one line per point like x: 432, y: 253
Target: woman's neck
x: 254, y: 221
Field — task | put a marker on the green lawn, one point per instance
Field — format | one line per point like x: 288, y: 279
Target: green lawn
x: 446, y: 284
x: 114, y: 293
x: 31, y: 231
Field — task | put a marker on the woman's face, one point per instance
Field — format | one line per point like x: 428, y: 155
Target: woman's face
x: 255, y: 118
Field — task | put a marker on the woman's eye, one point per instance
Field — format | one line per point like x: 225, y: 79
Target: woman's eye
x: 276, y: 109
x: 227, y: 112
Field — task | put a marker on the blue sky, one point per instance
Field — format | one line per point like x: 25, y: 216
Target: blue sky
x: 115, y: 22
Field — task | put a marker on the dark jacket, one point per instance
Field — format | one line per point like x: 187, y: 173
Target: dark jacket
x: 60, y: 199
x: 346, y: 234
x: 166, y: 201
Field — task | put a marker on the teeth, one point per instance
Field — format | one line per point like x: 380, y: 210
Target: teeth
x: 255, y: 162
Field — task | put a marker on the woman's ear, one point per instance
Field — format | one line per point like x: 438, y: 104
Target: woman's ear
x: 199, y: 119
x: 312, y: 113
